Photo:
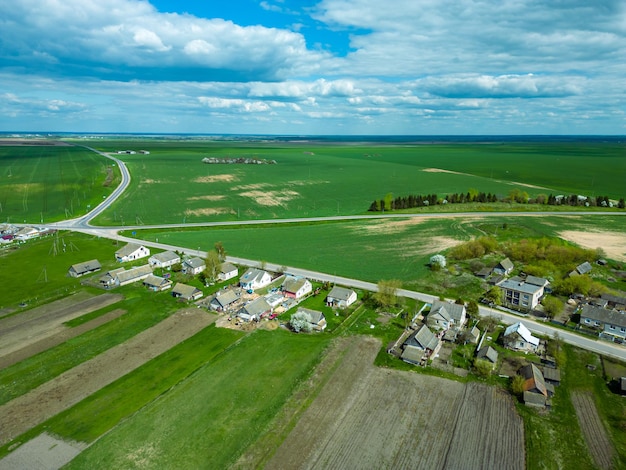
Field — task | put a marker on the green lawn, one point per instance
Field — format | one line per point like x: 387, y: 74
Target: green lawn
x: 51, y: 183
x: 217, y: 413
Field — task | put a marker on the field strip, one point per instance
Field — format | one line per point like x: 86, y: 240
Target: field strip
x: 49, y: 399
x: 42, y: 452
x: 58, y: 338
x: 598, y: 443
x: 19, y: 331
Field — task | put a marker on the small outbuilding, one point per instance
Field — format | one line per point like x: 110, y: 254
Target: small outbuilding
x: 82, y: 269
x: 185, y: 292
x: 340, y: 297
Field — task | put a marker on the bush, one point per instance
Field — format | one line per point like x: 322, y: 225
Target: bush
x: 437, y: 262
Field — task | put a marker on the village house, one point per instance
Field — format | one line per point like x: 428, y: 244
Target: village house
x: 614, y: 301
x: 610, y: 324
x: 26, y: 233
x: 254, y: 310
x: 296, y: 287
x: 316, y: 319
x: 583, y: 268
x: 518, y: 337
x: 446, y: 315
x: 504, y: 267
x: 420, y: 345
x: 193, y: 266
x: 164, y: 260
x: 184, y: 292
x: 109, y: 279
x: 131, y: 275
x: 131, y: 252
x: 473, y: 335
x: 340, y: 297
x: 157, y: 283
x: 224, y: 299
x: 521, y: 294
x: 487, y: 353
x: 254, y: 279
x: 227, y: 271
x: 82, y: 269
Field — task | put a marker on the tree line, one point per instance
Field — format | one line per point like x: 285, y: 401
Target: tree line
x: 389, y: 203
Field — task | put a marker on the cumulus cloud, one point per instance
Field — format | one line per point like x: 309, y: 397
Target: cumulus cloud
x: 149, y: 44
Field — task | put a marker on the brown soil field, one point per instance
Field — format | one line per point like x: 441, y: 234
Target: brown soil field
x: 43, y: 452
x: 26, y: 411
x: 367, y: 417
x: 58, y: 338
x: 21, y: 330
x: 613, y: 243
x: 598, y: 442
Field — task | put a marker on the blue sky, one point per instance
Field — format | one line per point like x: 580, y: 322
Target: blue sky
x: 417, y: 67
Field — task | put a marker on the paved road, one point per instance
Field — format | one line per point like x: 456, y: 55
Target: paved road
x: 82, y: 224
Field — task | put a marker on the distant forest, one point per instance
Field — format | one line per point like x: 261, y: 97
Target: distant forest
x: 389, y: 203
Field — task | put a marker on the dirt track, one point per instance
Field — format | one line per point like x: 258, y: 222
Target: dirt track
x: 367, y: 417
x: 23, y: 329
x: 69, y: 388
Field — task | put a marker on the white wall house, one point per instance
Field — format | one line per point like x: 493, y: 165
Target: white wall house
x: 227, y: 271
x: 340, y: 297
x: 131, y: 252
x: 296, y: 287
x: 518, y: 337
x: 255, y: 279
x: 164, y: 260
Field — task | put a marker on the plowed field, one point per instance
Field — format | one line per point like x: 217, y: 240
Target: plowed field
x: 371, y: 418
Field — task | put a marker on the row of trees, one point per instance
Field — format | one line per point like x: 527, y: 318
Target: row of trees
x: 389, y: 203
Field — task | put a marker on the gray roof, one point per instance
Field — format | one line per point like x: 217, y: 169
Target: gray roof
x: 488, y: 353
x: 166, y: 256
x: 454, y: 311
x: 293, y: 284
x: 615, y: 299
x: 583, y: 268
x: 524, y: 287
x: 134, y: 273
x: 257, y: 307
x: 552, y: 374
x: 602, y: 315
x: 507, y: 264
x: 227, y: 268
x: 340, y: 293
x: 195, y: 262
x: 423, y: 338
x: 534, y: 380
x: 87, y: 266
x: 536, y: 281
x: 485, y: 272
x: 412, y: 354
x: 520, y: 329
x: 252, y: 274
x: 183, y: 290
x: 534, y: 399
x: 156, y: 281
x: 127, y: 250
x: 226, y: 297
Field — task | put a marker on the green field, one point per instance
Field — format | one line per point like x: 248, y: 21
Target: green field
x: 172, y: 185
x: 47, y: 183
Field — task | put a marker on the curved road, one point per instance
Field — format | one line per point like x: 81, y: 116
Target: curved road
x: 82, y: 224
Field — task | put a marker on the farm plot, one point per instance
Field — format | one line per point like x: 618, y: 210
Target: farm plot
x: 367, y: 417
x: 69, y: 388
x: 22, y: 330
x: 598, y: 442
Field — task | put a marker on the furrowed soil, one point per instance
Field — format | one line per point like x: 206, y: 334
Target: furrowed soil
x: 371, y: 418
x: 24, y: 329
x: 31, y: 409
x: 598, y: 442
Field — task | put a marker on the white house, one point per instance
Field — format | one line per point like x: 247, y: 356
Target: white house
x: 340, y: 297
x: 255, y: 279
x: 193, y: 266
x: 518, y: 337
x: 520, y: 294
x: 255, y: 310
x: 131, y: 252
x: 26, y: 233
x: 445, y: 315
x: 227, y: 271
x: 164, y: 260
x: 296, y: 287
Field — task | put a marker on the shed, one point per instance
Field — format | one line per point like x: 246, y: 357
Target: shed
x: 87, y: 267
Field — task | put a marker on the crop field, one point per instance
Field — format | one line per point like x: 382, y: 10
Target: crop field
x: 172, y: 185
x: 391, y: 248
x: 47, y: 183
x: 366, y: 417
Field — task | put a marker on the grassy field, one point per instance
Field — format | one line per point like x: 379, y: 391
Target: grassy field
x: 380, y: 249
x: 172, y: 185
x: 45, y: 183
x: 216, y: 414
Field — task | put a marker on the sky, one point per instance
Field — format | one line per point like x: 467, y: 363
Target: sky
x: 314, y: 67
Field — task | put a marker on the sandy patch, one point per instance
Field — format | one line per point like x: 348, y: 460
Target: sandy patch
x: 210, y: 197
x: 251, y: 187
x: 150, y: 181
x: 306, y: 183
x: 216, y: 179
x: 439, y: 170
x: 207, y: 211
x: 526, y: 185
x: 43, y: 452
x: 271, y: 198
x: 389, y: 227
x: 613, y: 244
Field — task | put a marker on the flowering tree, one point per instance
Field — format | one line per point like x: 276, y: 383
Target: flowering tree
x: 437, y: 262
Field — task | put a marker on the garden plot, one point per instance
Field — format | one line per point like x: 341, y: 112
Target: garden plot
x: 368, y: 417
x: 26, y: 411
x: 21, y: 330
x: 598, y: 442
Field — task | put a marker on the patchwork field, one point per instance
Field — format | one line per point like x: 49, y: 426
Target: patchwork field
x: 47, y: 183
x: 172, y: 185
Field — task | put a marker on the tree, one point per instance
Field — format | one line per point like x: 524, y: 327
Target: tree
x: 300, y: 321
x: 621, y: 204
x: 387, y: 295
x: 221, y: 251
x: 482, y: 367
x: 552, y: 306
x: 488, y: 323
x: 494, y: 295
x: 472, y: 309
x: 213, y: 263
x: 437, y: 262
